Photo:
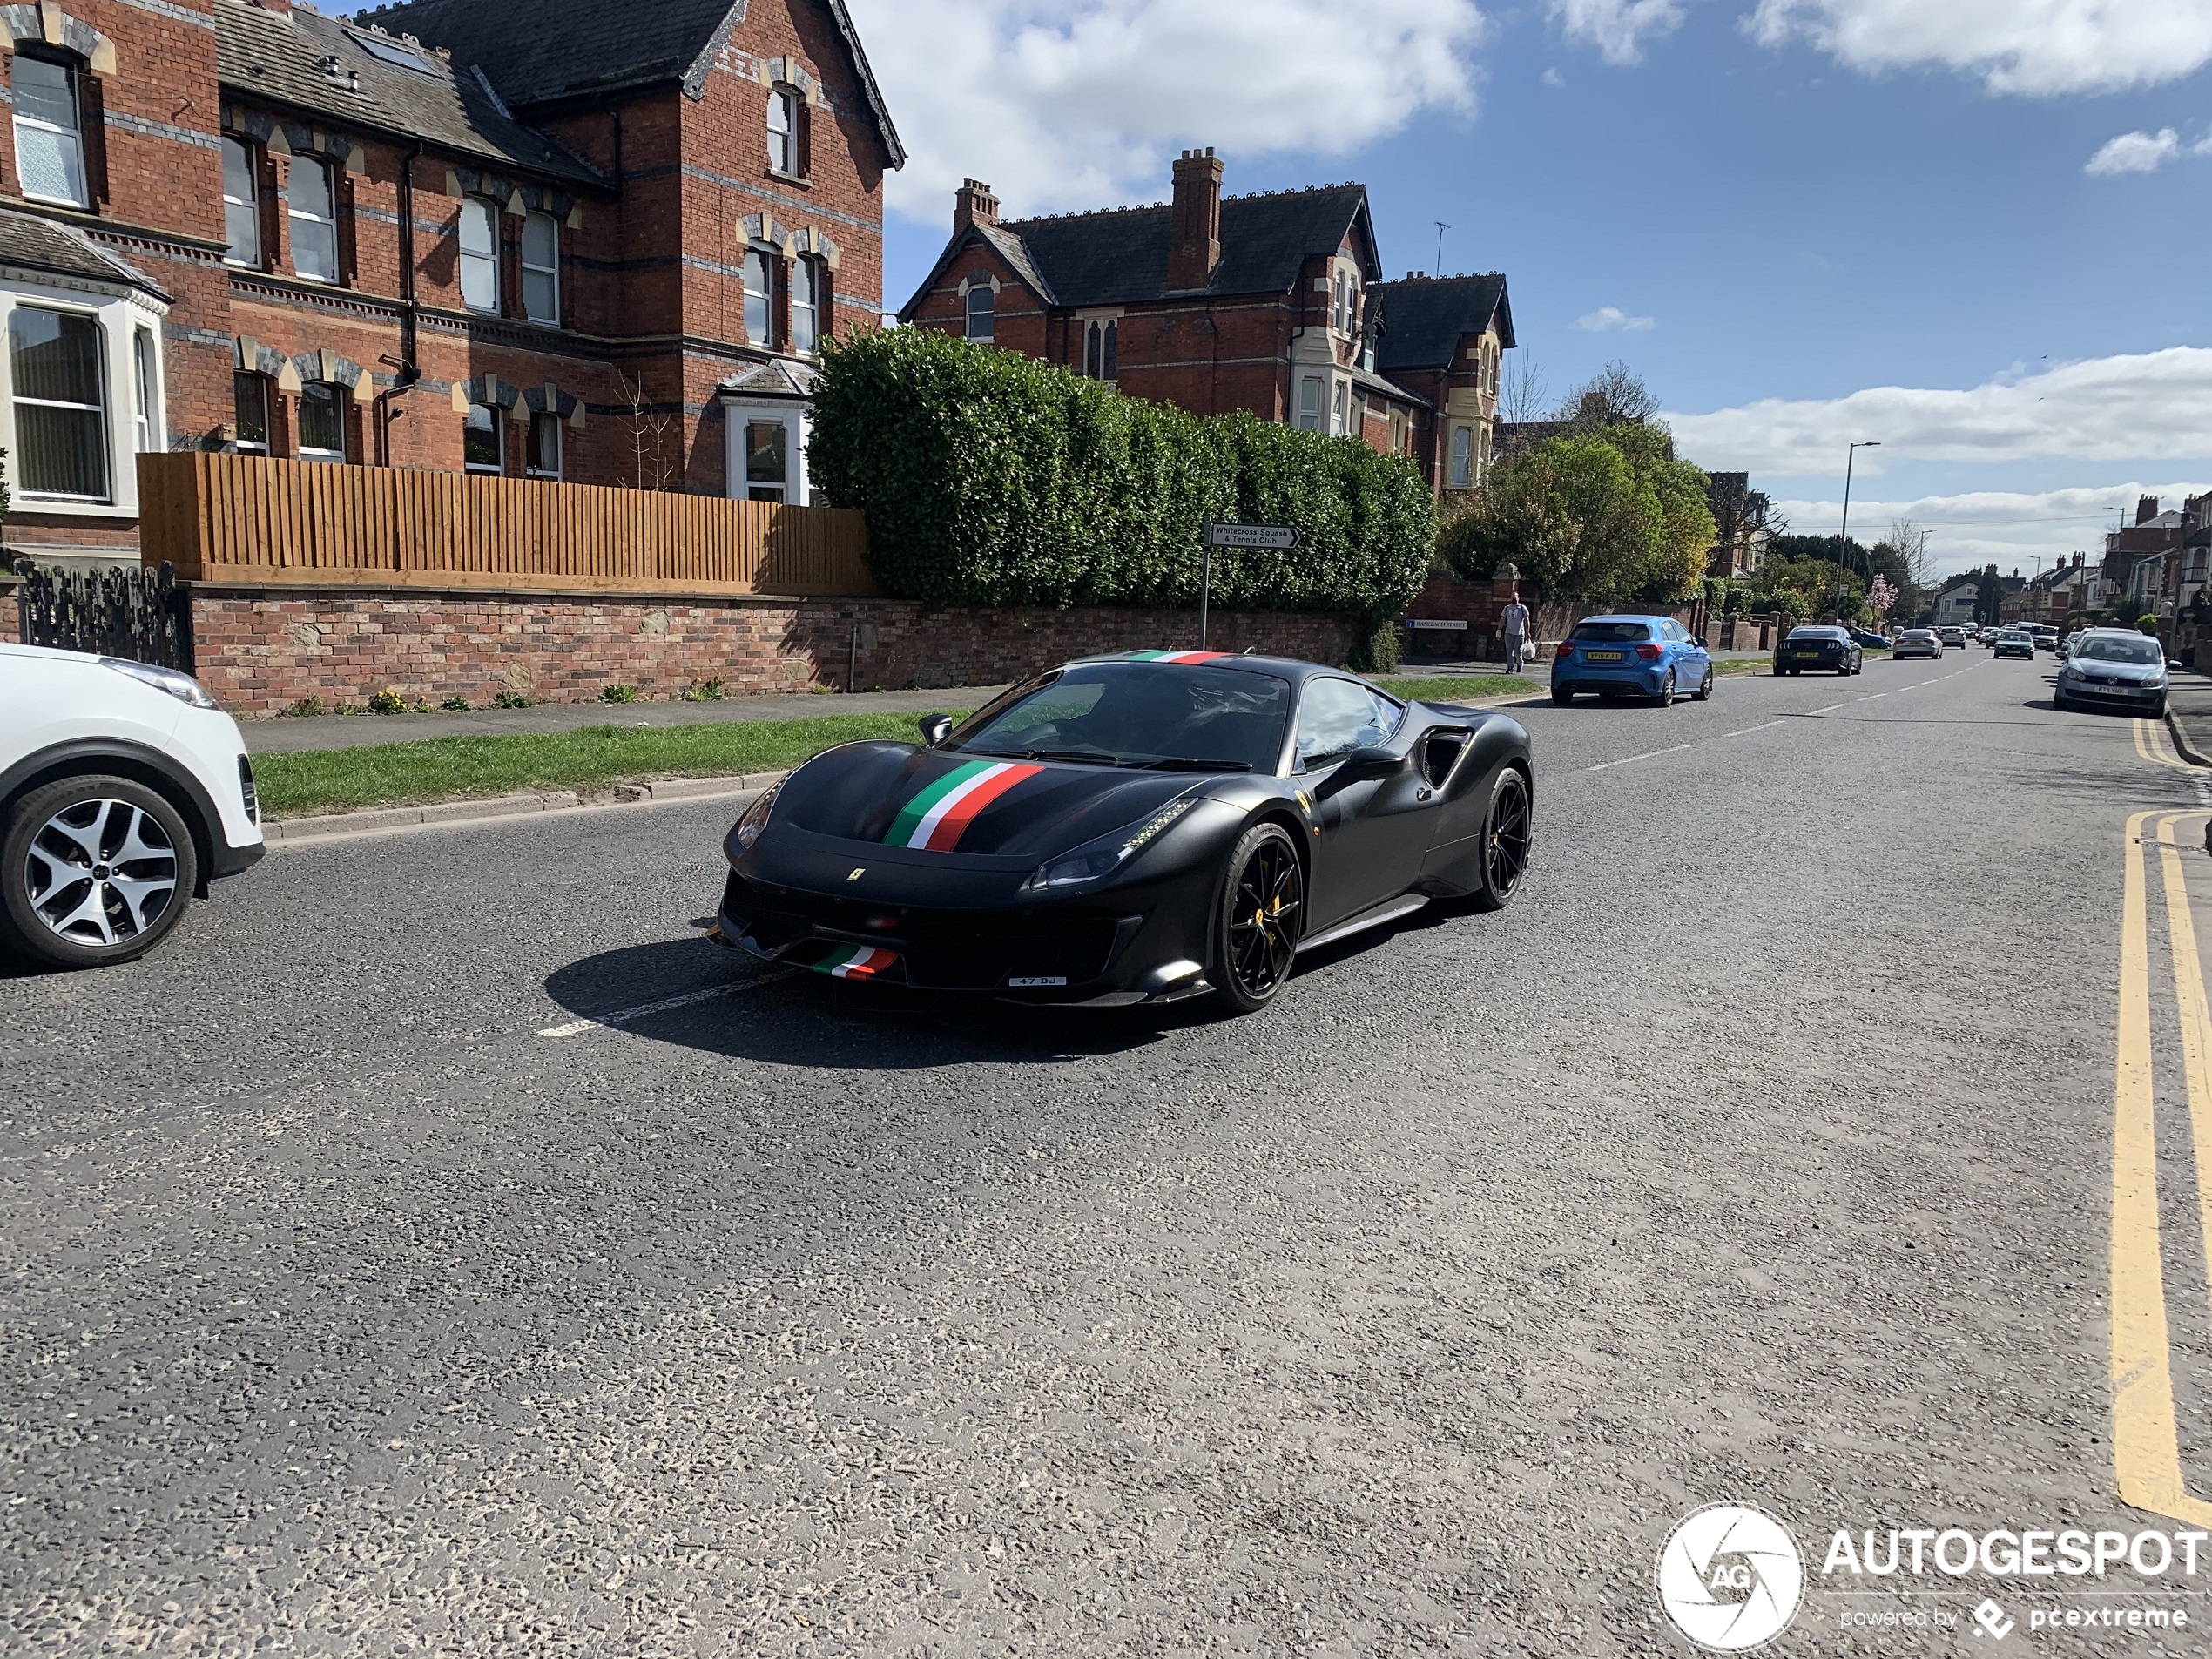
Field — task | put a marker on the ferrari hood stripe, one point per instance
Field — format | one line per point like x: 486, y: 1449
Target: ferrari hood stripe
x: 1178, y: 655
x: 940, y: 815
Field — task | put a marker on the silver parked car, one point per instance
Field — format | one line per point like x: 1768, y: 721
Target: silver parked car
x: 1917, y: 642
x: 2114, y: 668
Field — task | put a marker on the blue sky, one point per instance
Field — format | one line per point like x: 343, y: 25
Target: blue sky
x: 1803, y: 200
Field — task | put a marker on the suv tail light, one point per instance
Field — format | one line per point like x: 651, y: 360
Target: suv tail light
x: 1650, y: 653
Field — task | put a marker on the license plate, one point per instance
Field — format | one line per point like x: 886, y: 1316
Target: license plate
x: 1605, y: 656
x: 2113, y: 690
x: 1038, y: 982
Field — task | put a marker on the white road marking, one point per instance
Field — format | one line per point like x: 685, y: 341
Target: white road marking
x: 622, y: 1016
x: 1650, y: 754
x: 1748, y: 730
x: 1832, y: 708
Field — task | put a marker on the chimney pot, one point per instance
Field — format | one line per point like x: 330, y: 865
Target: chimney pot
x: 1194, y: 243
x: 973, y: 204
x: 2146, y: 508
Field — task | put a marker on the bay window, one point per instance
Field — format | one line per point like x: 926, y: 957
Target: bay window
x: 1460, y: 470
x: 1309, y: 404
x: 50, y: 132
x: 542, y: 268
x: 314, y: 212
x: 1337, y: 420
x: 322, y: 422
x: 766, y: 469
x: 479, y: 254
x: 146, y: 381
x: 241, y: 203
x: 59, y: 394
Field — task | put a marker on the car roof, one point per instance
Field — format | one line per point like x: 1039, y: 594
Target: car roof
x: 1289, y: 668
x: 1623, y: 616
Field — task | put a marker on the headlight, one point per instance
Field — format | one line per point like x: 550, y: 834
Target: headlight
x: 1106, y: 855
x: 183, y: 687
x: 2070, y: 672
x: 756, y: 818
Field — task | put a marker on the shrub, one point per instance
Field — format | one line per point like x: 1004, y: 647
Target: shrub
x: 704, y: 692
x: 307, y: 707
x: 387, y: 701
x: 455, y: 704
x: 511, y: 700
x: 990, y: 478
x: 2146, y: 623
x: 618, y: 694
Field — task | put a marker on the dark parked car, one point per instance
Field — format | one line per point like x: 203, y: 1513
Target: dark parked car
x: 1829, y: 650
x: 2011, y: 642
x: 1134, y: 829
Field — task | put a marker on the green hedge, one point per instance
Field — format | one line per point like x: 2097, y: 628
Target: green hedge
x: 991, y: 478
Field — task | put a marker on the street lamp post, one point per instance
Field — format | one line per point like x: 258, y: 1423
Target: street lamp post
x: 1842, y: 540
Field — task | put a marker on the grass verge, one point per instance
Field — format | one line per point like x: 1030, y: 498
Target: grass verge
x: 1461, y: 688
x: 393, y: 774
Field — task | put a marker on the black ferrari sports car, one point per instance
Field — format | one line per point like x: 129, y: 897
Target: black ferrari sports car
x: 1132, y: 829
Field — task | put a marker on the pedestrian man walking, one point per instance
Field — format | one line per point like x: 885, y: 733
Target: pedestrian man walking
x: 1513, y: 619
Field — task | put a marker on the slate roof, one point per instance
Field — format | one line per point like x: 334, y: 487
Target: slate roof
x: 41, y: 245
x: 774, y: 378
x: 548, y: 50
x: 265, y: 55
x: 1424, y: 318
x: 1120, y: 257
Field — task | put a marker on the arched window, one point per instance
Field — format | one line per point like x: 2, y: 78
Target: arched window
x: 313, y: 212
x: 61, y: 404
x: 807, y: 297
x: 541, y: 267
x: 481, y: 450
x: 322, y: 422
x: 982, y: 312
x: 759, y: 299
x: 241, y: 202
x: 49, y: 131
x: 1101, y: 350
x: 787, y: 119
x: 479, y: 254
x: 250, y: 418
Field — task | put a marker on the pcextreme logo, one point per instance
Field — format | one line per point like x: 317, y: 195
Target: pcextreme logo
x: 1730, y: 1577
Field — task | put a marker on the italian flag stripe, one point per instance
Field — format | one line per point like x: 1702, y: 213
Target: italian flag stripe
x: 940, y: 815
x: 856, y: 962
x: 1176, y: 656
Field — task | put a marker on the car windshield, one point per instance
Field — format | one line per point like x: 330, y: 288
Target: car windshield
x: 1138, y: 714
x: 2120, y: 651
x: 1613, y: 633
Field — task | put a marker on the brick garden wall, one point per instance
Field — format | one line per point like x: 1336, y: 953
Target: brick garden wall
x: 260, y: 650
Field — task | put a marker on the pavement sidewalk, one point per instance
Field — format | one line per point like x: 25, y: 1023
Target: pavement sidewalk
x: 288, y: 734
x: 2189, y: 713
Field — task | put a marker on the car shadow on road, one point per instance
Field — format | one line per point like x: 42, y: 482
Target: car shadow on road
x: 793, y: 1017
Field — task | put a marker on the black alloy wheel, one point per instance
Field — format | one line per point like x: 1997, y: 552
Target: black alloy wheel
x: 1261, y: 915
x: 1665, y: 699
x: 1505, y: 834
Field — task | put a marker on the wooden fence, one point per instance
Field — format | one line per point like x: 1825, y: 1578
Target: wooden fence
x: 245, y: 519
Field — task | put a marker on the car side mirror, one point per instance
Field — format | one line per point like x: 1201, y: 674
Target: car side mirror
x: 2174, y: 662
x: 1360, y: 766
x: 935, y: 728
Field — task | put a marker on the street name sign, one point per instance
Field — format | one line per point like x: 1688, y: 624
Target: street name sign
x: 1282, y: 538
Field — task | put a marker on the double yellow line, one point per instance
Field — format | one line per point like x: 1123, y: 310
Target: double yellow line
x: 2146, y: 1447
x: 2153, y: 744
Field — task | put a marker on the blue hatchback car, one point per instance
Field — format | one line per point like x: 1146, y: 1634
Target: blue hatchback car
x: 1652, y: 657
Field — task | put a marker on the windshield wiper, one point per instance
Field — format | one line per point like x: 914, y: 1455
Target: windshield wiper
x: 1186, y: 763
x: 1093, y: 757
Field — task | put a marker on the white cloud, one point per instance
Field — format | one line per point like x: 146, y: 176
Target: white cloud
x: 1617, y: 28
x: 2153, y: 407
x: 1553, y: 78
x: 1082, y: 102
x: 2026, y: 46
x: 2004, y: 528
x: 1606, y: 318
x: 2145, y: 151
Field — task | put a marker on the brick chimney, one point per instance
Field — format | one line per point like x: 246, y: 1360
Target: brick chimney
x: 1194, y: 246
x: 973, y: 204
x: 2146, y: 508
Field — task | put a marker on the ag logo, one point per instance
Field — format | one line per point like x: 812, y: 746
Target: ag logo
x: 1730, y: 1577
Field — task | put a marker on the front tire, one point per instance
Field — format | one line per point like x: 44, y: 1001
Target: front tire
x: 94, y: 870
x: 1704, y: 691
x: 1258, y: 921
x: 1506, y: 832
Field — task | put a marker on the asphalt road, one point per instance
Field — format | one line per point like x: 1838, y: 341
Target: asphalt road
x: 362, y: 1295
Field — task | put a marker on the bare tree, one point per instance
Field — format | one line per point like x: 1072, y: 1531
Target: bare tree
x: 1616, y: 395
x: 1524, y: 391
x: 1912, y: 545
x: 650, y: 427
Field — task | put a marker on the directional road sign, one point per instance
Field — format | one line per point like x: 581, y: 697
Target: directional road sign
x: 1282, y: 538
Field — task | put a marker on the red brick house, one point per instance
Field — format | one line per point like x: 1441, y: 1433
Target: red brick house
x: 1273, y: 303
x: 574, y: 239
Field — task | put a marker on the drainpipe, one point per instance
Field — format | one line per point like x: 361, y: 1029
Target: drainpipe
x: 407, y: 372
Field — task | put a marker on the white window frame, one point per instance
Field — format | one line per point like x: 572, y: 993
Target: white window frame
x: 477, y: 468
x: 145, y: 386
x: 478, y: 260
x: 550, y: 273
x: 321, y: 457
x: 1101, y: 349
x: 250, y: 202
x: 806, y: 273
x: 764, y: 296
x: 546, y: 422
x: 990, y: 312
x: 798, y: 487
x: 1459, y: 466
x: 74, y: 134
x: 1340, y: 409
x: 311, y: 167
x: 105, y: 408
x: 1310, y: 396
x: 785, y: 101
x: 120, y: 311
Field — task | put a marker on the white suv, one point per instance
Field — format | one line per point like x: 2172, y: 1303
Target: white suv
x: 123, y: 790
